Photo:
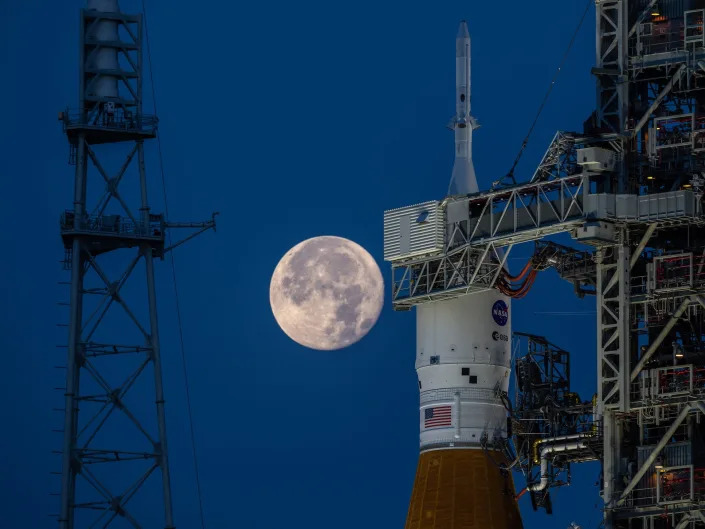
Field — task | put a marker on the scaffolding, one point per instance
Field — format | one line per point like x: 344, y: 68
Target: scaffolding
x: 545, y: 414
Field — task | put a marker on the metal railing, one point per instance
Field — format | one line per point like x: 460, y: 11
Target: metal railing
x: 119, y: 120
x: 660, y: 37
x: 661, y: 487
x: 663, y: 35
x: 114, y: 225
x: 641, y: 497
x: 668, y: 385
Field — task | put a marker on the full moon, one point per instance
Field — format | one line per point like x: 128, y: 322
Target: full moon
x: 326, y: 293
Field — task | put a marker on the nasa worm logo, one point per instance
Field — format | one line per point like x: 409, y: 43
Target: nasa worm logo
x: 500, y: 312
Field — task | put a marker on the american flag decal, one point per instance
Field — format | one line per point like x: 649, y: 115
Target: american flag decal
x: 438, y: 416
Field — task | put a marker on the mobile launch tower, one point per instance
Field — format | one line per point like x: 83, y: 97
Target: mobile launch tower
x: 105, y: 462
x: 629, y: 188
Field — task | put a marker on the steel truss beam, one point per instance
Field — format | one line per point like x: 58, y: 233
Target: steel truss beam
x: 613, y: 329
x: 611, y: 63
x: 660, y: 97
x: 698, y: 406
x: 635, y: 255
x: 458, y: 272
x: 558, y: 160
x: 526, y: 212
x: 511, y: 216
x: 664, y: 332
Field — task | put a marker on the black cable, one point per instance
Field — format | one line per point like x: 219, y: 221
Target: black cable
x: 510, y: 174
x: 173, y: 273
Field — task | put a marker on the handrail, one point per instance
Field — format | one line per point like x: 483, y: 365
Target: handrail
x: 118, y: 120
x: 114, y: 224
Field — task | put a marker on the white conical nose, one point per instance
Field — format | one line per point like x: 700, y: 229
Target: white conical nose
x: 463, y: 32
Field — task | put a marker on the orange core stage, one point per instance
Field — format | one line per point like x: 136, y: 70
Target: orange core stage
x: 462, y: 489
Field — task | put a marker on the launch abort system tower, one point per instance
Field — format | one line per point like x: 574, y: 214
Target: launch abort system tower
x: 106, y: 463
x: 629, y: 186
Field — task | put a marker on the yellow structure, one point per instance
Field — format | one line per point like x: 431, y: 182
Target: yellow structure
x: 462, y: 489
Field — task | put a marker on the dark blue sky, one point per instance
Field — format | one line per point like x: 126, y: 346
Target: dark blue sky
x: 293, y: 120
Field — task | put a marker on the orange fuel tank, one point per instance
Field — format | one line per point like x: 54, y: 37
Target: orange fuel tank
x: 460, y: 488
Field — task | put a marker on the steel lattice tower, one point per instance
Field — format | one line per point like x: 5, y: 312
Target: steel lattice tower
x: 103, y: 366
x: 650, y: 285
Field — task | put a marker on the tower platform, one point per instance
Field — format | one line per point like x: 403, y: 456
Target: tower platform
x: 104, y: 233
x: 99, y: 129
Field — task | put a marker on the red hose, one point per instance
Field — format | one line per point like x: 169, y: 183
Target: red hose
x: 520, y: 290
x: 523, y: 272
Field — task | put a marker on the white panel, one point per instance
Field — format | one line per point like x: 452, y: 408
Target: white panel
x: 425, y: 237
x: 596, y: 159
x: 657, y: 206
x: 457, y: 210
x: 463, y: 330
x: 449, y: 376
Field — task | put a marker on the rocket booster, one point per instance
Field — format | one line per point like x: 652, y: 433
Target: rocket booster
x: 464, y: 344
x: 463, y: 179
x: 463, y: 364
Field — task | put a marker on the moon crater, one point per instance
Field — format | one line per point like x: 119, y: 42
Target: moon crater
x: 326, y: 293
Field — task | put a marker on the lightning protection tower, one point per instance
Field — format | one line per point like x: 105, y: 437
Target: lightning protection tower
x: 112, y: 440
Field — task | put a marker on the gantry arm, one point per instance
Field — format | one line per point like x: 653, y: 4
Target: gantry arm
x: 203, y: 226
